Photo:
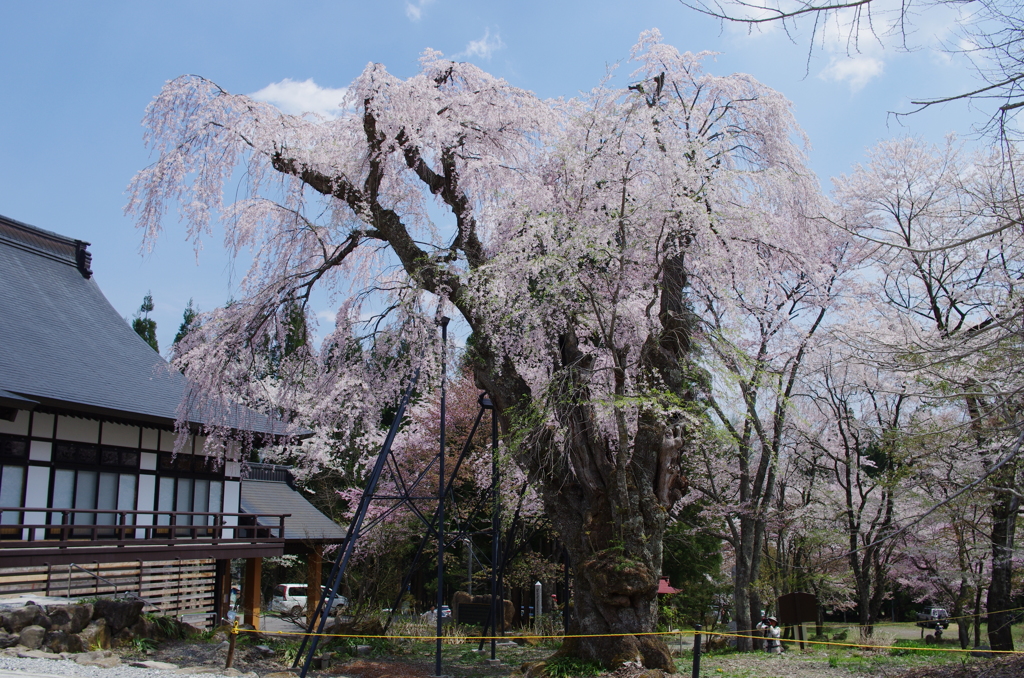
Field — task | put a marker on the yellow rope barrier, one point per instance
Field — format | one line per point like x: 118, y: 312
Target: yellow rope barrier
x: 620, y: 635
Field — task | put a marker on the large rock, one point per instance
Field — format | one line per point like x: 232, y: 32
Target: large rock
x: 32, y: 636
x: 7, y: 639
x: 103, y: 658
x: 123, y: 637
x: 70, y: 618
x: 150, y: 664
x: 120, y: 614
x: 194, y: 670
x: 96, y: 636
x: 62, y: 641
x: 30, y: 615
x: 36, y: 654
x: 144, y: 628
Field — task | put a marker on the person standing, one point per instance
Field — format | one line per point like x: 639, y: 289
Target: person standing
x: 772, y: 634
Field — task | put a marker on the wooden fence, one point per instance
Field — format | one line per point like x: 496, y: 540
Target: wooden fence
x: 179, y: 588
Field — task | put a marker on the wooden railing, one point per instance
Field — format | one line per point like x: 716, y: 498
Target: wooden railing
x: 70, y: 528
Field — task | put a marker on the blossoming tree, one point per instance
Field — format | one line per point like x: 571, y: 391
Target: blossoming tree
x: 565, y: 234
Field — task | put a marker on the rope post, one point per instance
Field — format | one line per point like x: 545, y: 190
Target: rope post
x: 231, y: 644
x: 696, y: 651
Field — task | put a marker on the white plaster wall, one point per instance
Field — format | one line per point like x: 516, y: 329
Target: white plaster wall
x: 79, y: 430
x: 167, y: 439
x: 18, y: 427
x: 39, y: 450
x: 147, y: 461
x: 120, y: 435
x: 42, y: 425
x: 232, y: 469
x: 150, y: 439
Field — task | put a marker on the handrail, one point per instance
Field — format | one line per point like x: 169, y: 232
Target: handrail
x: 112, y: 584
x: 51, y: 509
x: 163, y: 528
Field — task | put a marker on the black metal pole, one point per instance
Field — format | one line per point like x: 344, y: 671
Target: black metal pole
x: 495, y: 532
x: 565, y: 601
x: 440, y: 498
x: 696, y: 652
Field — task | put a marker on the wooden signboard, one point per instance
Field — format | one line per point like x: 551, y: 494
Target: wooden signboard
x: 472, y: 614
x: 797, y: 608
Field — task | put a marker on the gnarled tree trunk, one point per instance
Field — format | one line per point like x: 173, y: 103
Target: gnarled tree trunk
x: 608, y: 493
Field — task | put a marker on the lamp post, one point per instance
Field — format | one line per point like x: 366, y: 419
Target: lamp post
x: 440, y: 496
x: 496, y: 609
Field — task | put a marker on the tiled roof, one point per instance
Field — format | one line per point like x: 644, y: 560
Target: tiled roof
x: 306, y: 523
x: 62, y: 343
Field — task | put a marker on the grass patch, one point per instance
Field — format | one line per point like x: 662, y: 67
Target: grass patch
x: 906, y: 647
x: 568, y: 667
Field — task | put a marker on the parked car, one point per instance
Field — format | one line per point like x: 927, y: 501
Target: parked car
x: 430, y: 616
x: 291, y: 599
x: 933, y: 618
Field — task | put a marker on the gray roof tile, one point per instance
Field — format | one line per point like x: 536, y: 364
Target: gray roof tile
x: 305, y: 524
x: 64, y: 345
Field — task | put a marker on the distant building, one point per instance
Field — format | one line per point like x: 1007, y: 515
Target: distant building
x: 93, y: 497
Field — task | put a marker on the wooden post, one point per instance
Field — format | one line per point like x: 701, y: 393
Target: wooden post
x: 231, y: 645
x: 251, y: 591
x: 314, y: 579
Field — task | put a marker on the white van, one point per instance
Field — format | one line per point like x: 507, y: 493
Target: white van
x: 291, y: 599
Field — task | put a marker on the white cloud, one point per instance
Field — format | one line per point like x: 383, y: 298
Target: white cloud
x: 482, y: 48
x: 856, y: 71
x: 295, y: 97
x: 414, y: 10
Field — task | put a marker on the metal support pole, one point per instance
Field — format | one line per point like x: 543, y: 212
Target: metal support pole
x: 565, y: 601
x: 696, y: 652
x: 495, y: 533
x: 345, y: 553
x: 440, y: 497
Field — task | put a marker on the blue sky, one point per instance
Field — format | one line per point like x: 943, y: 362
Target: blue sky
x: 75, y: 78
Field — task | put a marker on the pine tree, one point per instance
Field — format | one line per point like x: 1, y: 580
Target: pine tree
x: 188, y: 321
x: 145, y: 326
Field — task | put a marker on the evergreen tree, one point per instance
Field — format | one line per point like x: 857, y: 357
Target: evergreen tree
x: 145, y: 326
x: 188, y: 322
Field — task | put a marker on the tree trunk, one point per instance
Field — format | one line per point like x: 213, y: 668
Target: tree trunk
x: 741, y: 604
x: 616, y: 552
x: 977, y: 612
x: 963, y: 628
x: 609, y: 508
x: 1004, y: 525
x: 629, y: 605
x: 746, y: 602
x: 607, y: 492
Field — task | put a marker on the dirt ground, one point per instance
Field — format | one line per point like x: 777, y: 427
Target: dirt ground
x: 406, y: 658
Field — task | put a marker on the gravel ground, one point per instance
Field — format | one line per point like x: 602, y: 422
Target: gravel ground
x: 66, y: 668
